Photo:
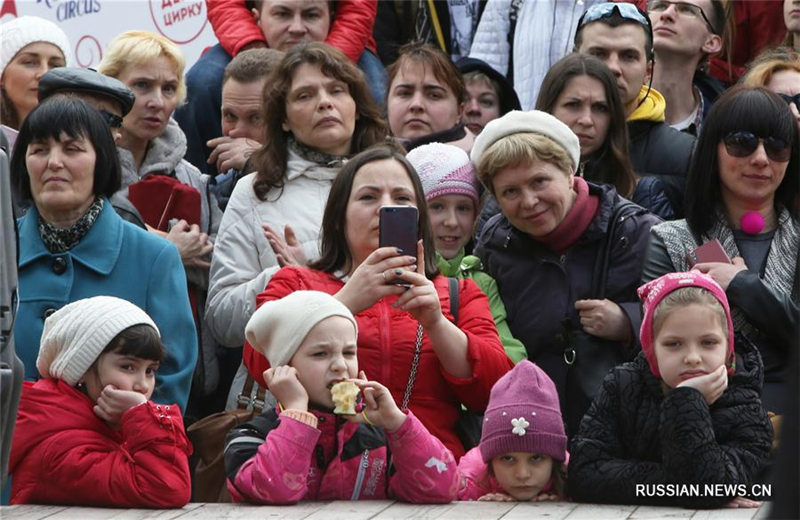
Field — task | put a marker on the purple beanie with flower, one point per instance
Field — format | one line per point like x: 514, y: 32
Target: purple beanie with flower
x: 523, y: 416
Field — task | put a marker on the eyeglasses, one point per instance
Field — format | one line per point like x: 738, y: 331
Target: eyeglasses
x: 792, y: 99
x: 744, y: 144
x: 113, y: 120
x: 683, y: 9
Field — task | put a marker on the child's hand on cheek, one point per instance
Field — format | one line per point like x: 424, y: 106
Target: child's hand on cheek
x: 379, y: 406
x: 113, y: 403
x: 710, y: 385
x: 282, y: 381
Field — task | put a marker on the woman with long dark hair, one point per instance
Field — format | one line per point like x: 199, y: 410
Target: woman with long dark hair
x: 409, y: 338
x: 319, y: 112
x: 744, y: 190
x: 581, y: 91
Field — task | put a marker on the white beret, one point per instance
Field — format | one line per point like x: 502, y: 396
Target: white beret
x: 533, y: 121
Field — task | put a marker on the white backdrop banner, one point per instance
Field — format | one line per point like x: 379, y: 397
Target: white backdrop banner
x: 92, y: 24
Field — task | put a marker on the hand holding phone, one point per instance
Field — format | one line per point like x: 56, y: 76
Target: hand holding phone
x: 398, y: 228
x: 711, y: 251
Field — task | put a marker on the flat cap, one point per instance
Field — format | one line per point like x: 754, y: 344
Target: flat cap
x: 74, y: 79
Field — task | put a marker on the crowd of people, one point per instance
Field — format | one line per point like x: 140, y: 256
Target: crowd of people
x: 602, y: 293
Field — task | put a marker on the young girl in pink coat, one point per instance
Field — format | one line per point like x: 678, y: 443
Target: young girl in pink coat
x: 522, y: 455
x: 301, y: 450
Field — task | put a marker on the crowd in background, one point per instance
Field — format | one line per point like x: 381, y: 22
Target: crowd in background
x: 602, y: 292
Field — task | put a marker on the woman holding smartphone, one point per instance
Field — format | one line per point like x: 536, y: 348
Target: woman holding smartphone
x: 408, y: 338
x: 743, y: 190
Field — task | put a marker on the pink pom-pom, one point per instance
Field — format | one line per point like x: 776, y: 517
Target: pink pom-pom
x: 752, y: 222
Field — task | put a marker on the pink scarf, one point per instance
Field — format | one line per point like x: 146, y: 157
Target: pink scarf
x: 577, y: 220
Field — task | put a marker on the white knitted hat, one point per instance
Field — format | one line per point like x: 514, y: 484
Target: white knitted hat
x: 75, y: 335
x: 22, y: 31
x: 534, y: 121
x: 444, y: 169
x: 278, y: 327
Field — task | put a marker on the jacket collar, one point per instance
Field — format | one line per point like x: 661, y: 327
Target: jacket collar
x: 652, y: 107
x: 163, y: 155
x: 297, y: 166
x: 98, y: 250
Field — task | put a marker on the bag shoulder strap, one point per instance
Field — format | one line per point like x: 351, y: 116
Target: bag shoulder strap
x: 600, y: 272
x: 246, y: 401
x: 453, y: 285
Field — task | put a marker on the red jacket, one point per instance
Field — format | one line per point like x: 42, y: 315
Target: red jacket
x: 350, y: 32
x: 758, y: 25
x: 62, y: 453
x: 386, y: 338
x: 277, y: 460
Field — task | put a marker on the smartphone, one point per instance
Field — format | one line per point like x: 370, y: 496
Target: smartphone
x: 711, y: 251
x: 398, y: 228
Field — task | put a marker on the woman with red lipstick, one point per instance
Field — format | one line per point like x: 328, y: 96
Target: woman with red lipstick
x: 319, y: 112
x: 426, y: 98
x: 743, y: 190
x: 686, y: 411
x: 543, y: 248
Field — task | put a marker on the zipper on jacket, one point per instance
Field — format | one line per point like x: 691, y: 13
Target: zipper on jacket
x: 362, y: 469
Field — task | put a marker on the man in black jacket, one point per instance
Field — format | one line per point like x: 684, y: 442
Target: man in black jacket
x: 620, y: 35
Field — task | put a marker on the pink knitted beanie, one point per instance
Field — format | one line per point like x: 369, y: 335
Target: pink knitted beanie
x: 653, y: 292
x: 444, y: 170
x: 523, y: 415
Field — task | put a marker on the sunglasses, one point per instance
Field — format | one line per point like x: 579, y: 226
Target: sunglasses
x: 683, y: 9
x: 113, y: 120
x: 605, y: 10
x: 792, y: 99
x: 743, y: 144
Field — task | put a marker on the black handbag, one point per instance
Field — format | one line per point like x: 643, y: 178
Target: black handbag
x: 589, y: 358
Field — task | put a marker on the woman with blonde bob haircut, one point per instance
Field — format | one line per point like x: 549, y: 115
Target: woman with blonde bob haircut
x: 151, y: 151
x: 138, y: 47
x: 542, y: 251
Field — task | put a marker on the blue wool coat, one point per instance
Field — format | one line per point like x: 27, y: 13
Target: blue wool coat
x: 114, y: 258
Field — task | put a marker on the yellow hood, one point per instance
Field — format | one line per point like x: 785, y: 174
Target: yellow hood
x: 652, y: 109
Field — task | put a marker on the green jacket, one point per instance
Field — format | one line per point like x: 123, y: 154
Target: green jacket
x: 470, y: 266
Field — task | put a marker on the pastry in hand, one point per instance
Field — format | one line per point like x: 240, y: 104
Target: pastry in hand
x: 344, y: 395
